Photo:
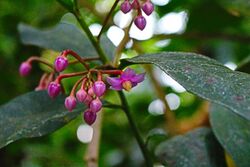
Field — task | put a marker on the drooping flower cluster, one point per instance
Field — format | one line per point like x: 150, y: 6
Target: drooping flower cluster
x: 147, y: 8
x: 88, y: 89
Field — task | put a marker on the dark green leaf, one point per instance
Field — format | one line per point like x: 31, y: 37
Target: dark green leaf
x: 68, y: 4
x: 233, y: 132
x: 65, y: 35
x: 198, y: 148
x: 32, y: 115
x: 204, y: 77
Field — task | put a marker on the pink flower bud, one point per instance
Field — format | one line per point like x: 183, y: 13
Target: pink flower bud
x: 25, y: 69
x: 126, y: 7
x: 54, y: 89
x: 61, y: 63
x: 70, y: 103
x: 99, y: 88
x: 140, y: 22
x: 95, y: 105
x: 91, y: 91
x: 148, y: 8
x: 89, y: 116
x: 81, y: 95
x: 87, y: 100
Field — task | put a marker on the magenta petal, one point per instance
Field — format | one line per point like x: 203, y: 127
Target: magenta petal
x: 138, y: 78
x: 128, y: 74
x: 114, y: 81
x: 117, y: 87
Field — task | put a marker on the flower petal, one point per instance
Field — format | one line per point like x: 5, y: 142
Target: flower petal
x: 128, y: 74
x: 138, y: 78
x: 114, y: 81
x: 117, y: 87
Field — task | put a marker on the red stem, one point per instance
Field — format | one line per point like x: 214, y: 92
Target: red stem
x: 72, y: 93
x: 85, y: 59
x: 74, y: 54
x: 41, y: 60
x: 60, y: 77
x: 138, y: 7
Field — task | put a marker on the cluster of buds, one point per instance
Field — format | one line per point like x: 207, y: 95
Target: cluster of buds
x: 139, y: 20
x: 89, y: 88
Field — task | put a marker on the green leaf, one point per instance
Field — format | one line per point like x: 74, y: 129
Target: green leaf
x: 197, y: 148
x: 68, y: 4
x: 233, y: 132
x: 65, y: 35
x: 32, y: 115
x: 204, y: 77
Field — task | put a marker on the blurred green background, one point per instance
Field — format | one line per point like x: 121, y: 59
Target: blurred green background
x: 216, y: 28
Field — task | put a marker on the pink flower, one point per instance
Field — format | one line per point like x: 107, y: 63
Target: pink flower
x: 25, y: 69
x: 61, y: 63
x: 54, y: 89
x: 70, y: 103
x: 126, y: 7
x: 81, y: 95
x: 148, y: 8
x: 95, y: 105
x: 127, y: 80
x: 140, y: 22
x: 89, y: 116
x: 99, y: 88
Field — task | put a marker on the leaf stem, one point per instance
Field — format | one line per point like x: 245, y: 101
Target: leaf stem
x: 139, y: 139
x: 92, y: 39
x: 107, y: 19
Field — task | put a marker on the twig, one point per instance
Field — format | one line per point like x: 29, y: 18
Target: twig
x: 107, y: 19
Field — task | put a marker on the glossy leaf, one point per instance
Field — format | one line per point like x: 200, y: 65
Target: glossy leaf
x: 233, y: 132
x: 32, y: 115
x: 65, y: 35
x: 204, y: 77
x: 196, y: 148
